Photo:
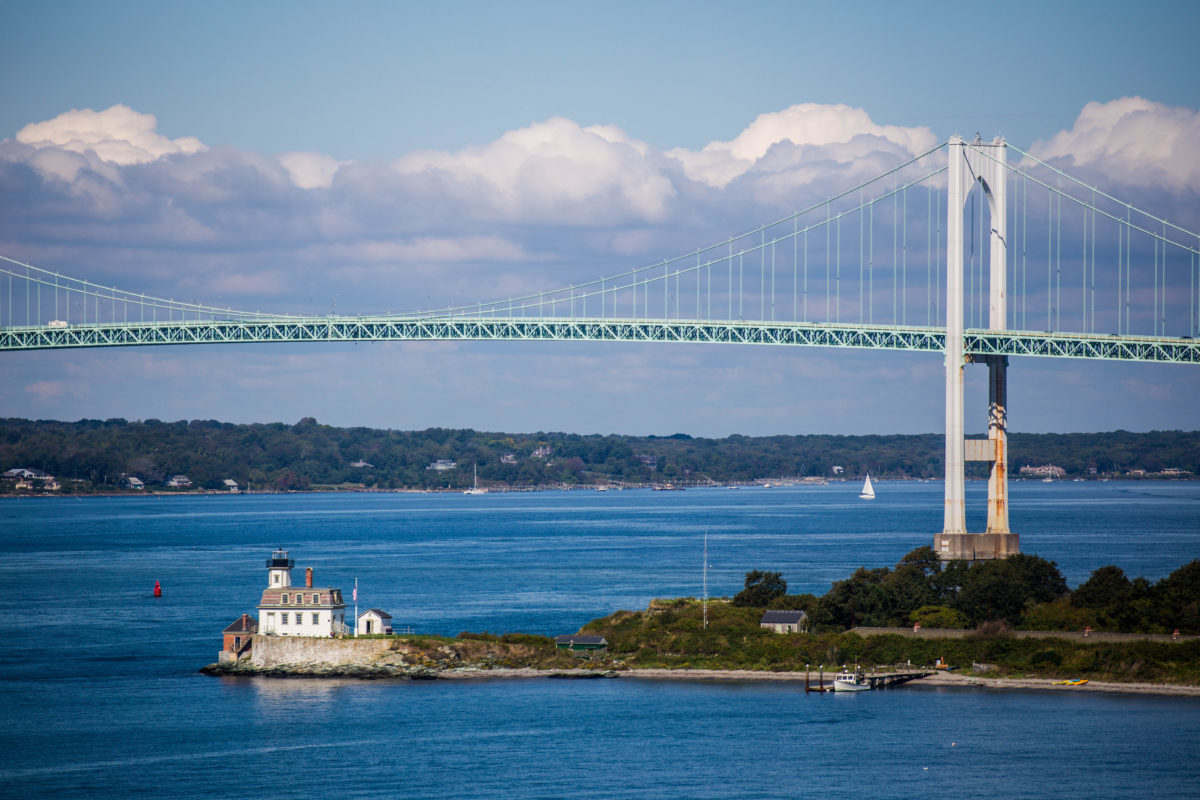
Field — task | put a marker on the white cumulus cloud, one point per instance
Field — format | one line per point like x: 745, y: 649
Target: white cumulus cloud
x: 118, y: 135
x: 831, y: 128
x: 1132, y: 140
x: 310, y: 170
x: 552, y: 171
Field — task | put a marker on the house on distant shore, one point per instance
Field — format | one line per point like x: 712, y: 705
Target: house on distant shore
x: 581, y: 645
x: 1044, y: 471
x: 784, y: 621
x: 29, y: 479
x: 230, y: 485
x: 374, y: 620
x: 179, y: 482
x: 131, y: 482
x: 443, y: 465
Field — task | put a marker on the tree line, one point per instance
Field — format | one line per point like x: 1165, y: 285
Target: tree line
x: 1022, y: 591
x: 94, y: 454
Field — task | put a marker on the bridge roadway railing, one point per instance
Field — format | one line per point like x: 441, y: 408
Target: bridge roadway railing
x: 1181, y: 350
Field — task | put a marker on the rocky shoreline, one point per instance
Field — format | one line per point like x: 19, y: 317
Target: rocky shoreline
x: 397, y: 672
x: 476, y: 672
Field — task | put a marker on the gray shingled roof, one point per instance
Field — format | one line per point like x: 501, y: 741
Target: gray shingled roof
x: 243, y: 624
x: 783, y: 617
x: 575, y: 638
x: 382, y: 614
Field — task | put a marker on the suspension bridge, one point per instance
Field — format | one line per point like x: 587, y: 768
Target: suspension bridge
x: 897, y: 262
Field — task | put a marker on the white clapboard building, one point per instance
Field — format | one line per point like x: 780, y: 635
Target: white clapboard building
x: 287, y: 610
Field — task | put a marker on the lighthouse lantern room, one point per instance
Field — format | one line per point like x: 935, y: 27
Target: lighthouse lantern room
x: 279, y: 570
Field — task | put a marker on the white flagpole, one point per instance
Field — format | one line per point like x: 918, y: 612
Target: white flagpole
x: 356, y: 607
x: 706, y: 579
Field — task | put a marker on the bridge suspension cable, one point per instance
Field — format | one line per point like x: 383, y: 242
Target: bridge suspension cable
x: 1111, y: 251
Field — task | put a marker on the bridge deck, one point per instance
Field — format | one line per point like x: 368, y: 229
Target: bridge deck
x: 1180, y: 350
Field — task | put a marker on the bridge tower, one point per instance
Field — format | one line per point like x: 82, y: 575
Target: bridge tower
x: 986, y: 163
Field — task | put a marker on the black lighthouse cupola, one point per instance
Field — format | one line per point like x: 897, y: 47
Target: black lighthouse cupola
x: 279, y: 569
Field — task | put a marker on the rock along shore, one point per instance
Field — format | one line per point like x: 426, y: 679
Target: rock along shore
x: 470, y: 672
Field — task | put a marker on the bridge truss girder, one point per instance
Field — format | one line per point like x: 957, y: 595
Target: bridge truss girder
x: 976, y: 342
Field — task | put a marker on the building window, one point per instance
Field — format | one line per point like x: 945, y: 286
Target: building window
x: 316, y: 598
x: 285, y: 597
x: 284, y: 618
x: 275, y: 578
x: 316, y: 619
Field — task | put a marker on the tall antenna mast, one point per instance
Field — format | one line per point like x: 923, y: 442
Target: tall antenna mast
x: 705, y: 579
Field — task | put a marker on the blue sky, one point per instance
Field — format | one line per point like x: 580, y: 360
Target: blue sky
x: 277, y: 156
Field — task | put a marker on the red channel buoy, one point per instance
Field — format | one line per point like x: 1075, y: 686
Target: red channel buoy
x: 157, y: 589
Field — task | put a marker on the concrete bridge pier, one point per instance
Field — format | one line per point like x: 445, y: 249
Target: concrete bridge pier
x: 985, y: 163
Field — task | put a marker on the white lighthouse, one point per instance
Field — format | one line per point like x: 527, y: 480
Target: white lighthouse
x: 287, y: 610
x: 279, y: 570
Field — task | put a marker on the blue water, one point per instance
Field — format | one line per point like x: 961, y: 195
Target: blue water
x: 101, y: 698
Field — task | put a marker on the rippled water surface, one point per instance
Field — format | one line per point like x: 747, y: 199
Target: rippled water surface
x: 101, y: 697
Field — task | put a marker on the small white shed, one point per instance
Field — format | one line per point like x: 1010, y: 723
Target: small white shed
x: 374, y: 620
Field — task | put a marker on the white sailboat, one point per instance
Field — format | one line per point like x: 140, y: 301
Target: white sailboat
x: 867, y: 493
x: 475, y: 489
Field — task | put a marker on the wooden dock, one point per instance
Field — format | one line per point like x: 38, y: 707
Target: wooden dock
x: 885, y: 680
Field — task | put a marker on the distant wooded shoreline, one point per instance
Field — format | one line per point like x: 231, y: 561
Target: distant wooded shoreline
x: 94, y: 456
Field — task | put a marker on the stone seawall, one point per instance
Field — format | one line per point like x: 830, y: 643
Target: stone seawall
x: 393, y: 657
x: 269, y: 652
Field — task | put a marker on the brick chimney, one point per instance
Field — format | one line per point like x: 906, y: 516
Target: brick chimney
x: 308, y: 577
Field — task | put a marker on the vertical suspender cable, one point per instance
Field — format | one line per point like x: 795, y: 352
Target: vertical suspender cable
x: 1120, y: 253
x: 904, y: 264
x: 1049, y: 258
x: 1084, y: 304
x: 795, y: 266
x: 1128, y: 268
x: 861, y: 220
x: 1092, y: 284
x: 1024, y: 228
x: 937, y: 262
x: 971, y: 266
x: 762, y: 275
x: 1164, y: 280
x: 870, y: 265
x: 929, y: 256
x: 827, y: 228
x: 1058, y: 272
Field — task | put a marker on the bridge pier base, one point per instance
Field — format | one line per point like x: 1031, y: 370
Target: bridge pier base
x: 977, y: 546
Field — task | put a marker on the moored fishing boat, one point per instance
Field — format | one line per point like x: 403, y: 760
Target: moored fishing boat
x: 847, y: 681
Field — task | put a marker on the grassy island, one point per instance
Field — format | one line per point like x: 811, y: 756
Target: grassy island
x: 1014, y: 618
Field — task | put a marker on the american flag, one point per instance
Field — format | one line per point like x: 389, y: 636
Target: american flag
x: 355, y: 594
